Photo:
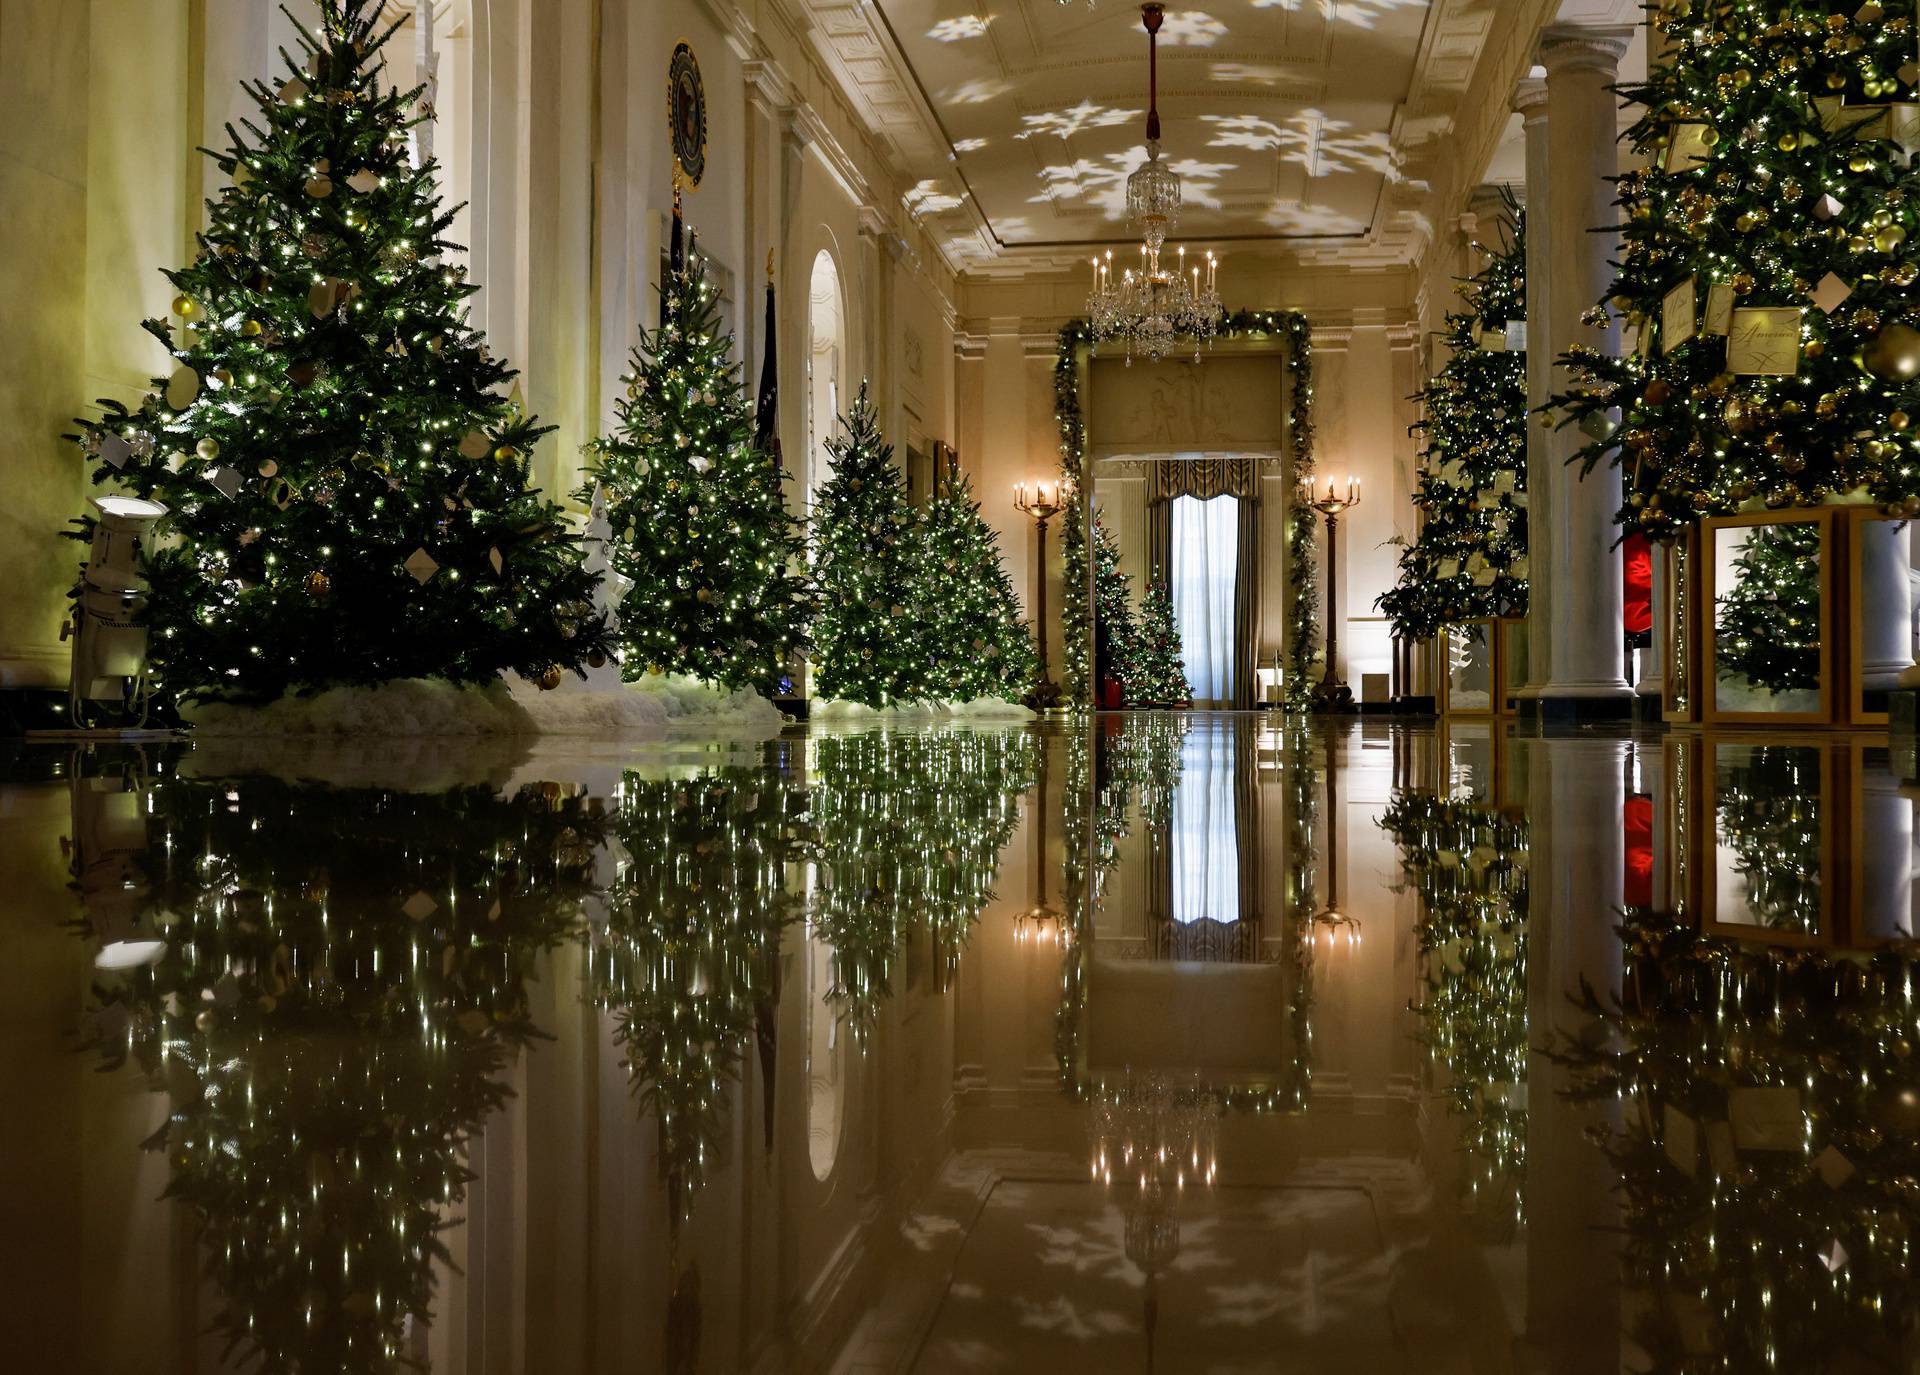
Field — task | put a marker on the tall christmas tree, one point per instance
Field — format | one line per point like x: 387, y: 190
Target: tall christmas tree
x: 979, y: 643
x: 718, y: 587
x: 1767, y: 272
x: 347, y: 483
x: 870, y: 645
x: 1116, y: 633
x: 1766, y: 626
x: 1470, y: 558
x: 1157, y: 675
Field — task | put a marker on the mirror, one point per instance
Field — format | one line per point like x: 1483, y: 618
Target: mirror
x: 1768, y: 618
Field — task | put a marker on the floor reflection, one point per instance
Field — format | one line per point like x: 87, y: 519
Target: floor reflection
x: 1150, y: 1042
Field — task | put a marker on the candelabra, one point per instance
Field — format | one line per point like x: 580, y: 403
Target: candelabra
x: 1333, y: 693
x: 1043, y: 505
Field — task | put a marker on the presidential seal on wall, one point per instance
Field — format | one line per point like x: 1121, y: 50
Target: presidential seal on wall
x: 687, y: 113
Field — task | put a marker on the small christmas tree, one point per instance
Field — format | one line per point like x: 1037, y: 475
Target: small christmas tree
x: 870, y: 644
x: 1157, y: 674
x: 1116, y: 636
x: 701, y: 528
x: 1470, y: 558
x: 1767, y: 625
x: 979, y: 644
x: 347, y: 484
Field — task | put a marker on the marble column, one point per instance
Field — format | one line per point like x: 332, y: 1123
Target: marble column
x: 1586, y: 676
x: 1530, y: 100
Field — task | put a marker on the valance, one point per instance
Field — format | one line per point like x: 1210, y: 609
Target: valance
x: 1204, y: 478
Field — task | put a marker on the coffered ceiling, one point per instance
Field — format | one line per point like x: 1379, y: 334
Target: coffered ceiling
x: 1017, y: 121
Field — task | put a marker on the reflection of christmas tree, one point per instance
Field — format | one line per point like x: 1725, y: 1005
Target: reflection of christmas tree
x: 1767, y: 624
x: 1470, y: 559
x: 1156, y: 673
x: 869, y: 647
x: 1770, y: 1107
x: 343, y: 980
x: 714, y: 561
x: 347, y: 486
x: 910, y: 828
x: 1767, y: 810
x: 1467, y: 863
x: 979, y: 644
x: 710, y: 873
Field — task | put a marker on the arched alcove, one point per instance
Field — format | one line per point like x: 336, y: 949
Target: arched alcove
x: 826, y: 353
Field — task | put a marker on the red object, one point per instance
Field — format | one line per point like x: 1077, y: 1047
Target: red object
x: 1637, y: 822
x: 1637, y: 569
x: 1111, y: 698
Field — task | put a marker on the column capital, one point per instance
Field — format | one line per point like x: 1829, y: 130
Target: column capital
x: 1530, y: 99
x: 1583, y: 48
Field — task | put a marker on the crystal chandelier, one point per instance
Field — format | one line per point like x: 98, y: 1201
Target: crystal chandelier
x: 1149, y: 307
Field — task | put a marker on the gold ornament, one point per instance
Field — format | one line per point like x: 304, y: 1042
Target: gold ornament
x: 252, y: 329
x: 1893, y: 355
x: 208, y: 448
x: 183, y: 306
x: 506, y: 453
x: 1889, y: 238
x: 320, y: 186
x: 550, y: 677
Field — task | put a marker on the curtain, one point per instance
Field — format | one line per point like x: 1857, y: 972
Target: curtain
x: 1206, y: 870
x: 1204, y: 581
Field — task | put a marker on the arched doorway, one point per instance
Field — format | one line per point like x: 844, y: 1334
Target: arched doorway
x: 826, y: 351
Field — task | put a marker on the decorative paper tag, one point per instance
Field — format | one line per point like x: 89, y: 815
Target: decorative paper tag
x: 1719, y: 309
x: 114, y: 451
x: 1764, y: 341
x: 1832, y: 293
x: 421, y: 565
x: 1680, y: 1136
x: 1678, y: 315
x: 1766, y: 1119
x: 1687, y: 147
x: 1449, y: 568
x: 225, y: 480
x: 1516, y: 336
x: 1493, y: 340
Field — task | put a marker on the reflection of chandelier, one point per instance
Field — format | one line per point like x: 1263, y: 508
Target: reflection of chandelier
x: 1150, y: 306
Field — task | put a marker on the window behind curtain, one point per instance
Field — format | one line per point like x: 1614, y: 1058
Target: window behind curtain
x: 1205, y: 559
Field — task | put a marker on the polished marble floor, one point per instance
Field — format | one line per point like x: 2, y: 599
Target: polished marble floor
x: 1148, y: 1043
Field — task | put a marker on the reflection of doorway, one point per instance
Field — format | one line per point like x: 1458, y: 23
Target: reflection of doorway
x: 1203, y: 572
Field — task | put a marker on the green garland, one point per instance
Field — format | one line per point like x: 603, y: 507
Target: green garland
x: 1304, y: 603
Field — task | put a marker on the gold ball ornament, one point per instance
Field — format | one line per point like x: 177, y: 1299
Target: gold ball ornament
x: 320, y: 186
x: 596, y: 660
x: 506, y: 453
x: 208, y: 448
x: 252, y: 329
x: 1889, y: 238
x: 550, y: 677
x: 184, y: 307
x: 1893, y: 355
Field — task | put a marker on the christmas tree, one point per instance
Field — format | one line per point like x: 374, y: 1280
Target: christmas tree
x: 1470, y: 558
x: 717, y: 585
x: 979, y: 644
x: 1116, y: 634
x: 1767, y: 624
x: 1157, y: 675
x: 1772, y: 350
x: 871, y: 645
x: 347, y: 482
x: 343, y: 987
